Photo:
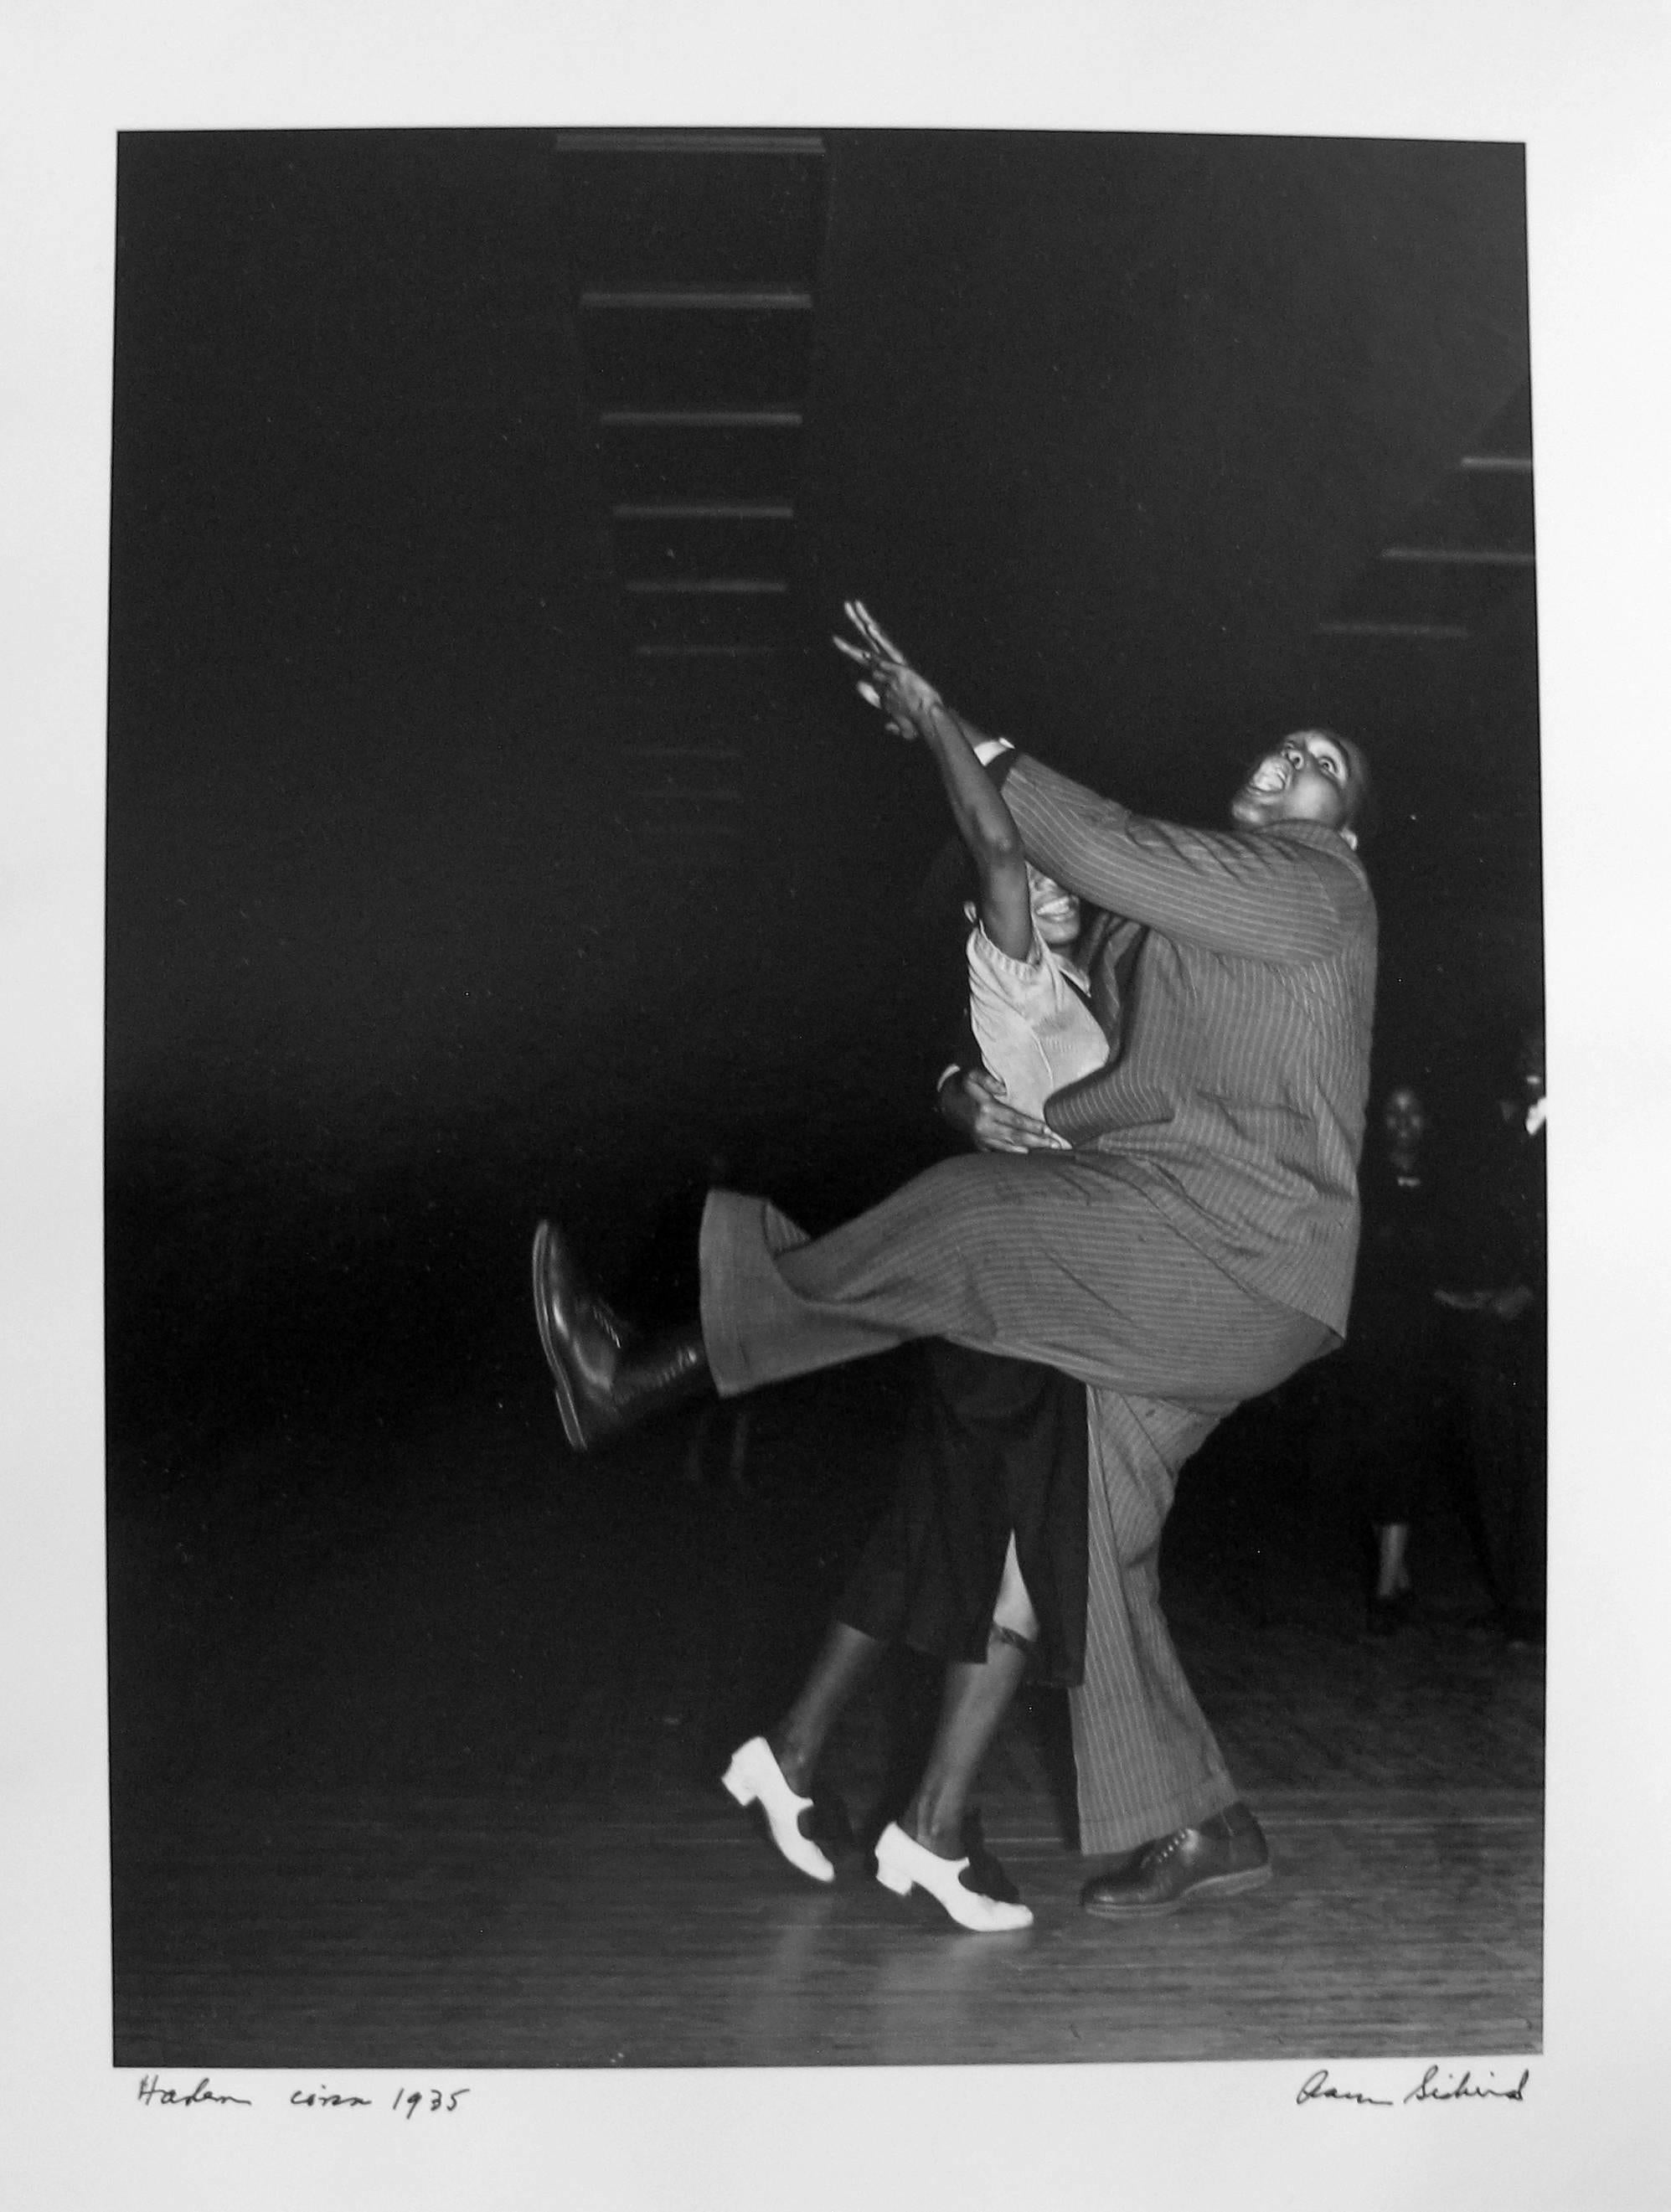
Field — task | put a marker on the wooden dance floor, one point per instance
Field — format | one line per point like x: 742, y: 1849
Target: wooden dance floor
x: 417, y: 1739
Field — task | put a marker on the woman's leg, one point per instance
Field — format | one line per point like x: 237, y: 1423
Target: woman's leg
x: 1395, y: 1441
x: 846, y: 1656
x: 1392, y: 1573
x: 944, y: 1562
x: 976, y: 1697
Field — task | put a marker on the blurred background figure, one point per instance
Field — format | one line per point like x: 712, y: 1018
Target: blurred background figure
x: 1383, y: 1398
x: 1501, y: 1287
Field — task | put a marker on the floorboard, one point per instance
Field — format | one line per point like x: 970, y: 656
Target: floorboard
x: 418, y: 1766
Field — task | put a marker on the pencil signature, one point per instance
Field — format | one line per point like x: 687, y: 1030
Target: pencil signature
x: 1425, y: 2091
x: 1433, y: 2088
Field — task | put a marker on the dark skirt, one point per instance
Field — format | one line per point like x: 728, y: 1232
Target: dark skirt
x: 994, y: 1445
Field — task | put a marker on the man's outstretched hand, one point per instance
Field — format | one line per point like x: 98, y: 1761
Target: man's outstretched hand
x: 891, y: 684
x: 973, y: 1102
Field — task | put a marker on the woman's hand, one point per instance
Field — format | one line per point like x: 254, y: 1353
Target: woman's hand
x: 974, y: 1103
x: 891, y: 684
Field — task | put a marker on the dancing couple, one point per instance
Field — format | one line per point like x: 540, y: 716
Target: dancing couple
x: 1159, y: 1221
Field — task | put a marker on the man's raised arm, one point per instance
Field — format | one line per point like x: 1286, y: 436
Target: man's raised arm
x: 1224, y: 889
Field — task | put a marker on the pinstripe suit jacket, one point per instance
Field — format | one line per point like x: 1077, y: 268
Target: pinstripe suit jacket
x: 1241, y: 983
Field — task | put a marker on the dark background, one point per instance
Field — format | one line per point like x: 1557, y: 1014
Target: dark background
x: 1104, y: 429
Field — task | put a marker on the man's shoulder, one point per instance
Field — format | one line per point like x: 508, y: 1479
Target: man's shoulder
x: 1318, y: 850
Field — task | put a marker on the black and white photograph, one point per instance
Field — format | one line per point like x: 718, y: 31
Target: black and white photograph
x: 520, y: 814
x: 819, y: 1280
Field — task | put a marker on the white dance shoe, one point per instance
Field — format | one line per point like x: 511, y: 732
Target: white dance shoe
x: 903, y: 1865
x: 754, y: 1777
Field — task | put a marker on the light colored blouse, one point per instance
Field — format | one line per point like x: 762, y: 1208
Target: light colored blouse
x: 1035, y: 1031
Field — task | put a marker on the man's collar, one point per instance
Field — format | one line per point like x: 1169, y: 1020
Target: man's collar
x: 1317, y: 834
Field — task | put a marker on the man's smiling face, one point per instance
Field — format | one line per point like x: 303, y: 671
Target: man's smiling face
x: 1308, y: 777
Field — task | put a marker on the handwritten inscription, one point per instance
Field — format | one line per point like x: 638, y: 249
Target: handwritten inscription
x: 418, y: 2100
x: 1433, y: 2088
x: 153, y: 2090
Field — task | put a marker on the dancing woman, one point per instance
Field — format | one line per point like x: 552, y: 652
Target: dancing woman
x: 1192, y: 1248
x: 980, y: 1561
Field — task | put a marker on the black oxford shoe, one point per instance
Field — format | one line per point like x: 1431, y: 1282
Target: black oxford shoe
x: 1221, y: 1858
x: 605, y: 1380
x: 582, y: 1350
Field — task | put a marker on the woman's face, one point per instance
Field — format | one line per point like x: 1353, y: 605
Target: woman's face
x: 1404, y: 1119
x: 1055, y: 912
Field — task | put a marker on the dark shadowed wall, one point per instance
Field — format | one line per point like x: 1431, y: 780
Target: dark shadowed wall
x: 1102, y: 427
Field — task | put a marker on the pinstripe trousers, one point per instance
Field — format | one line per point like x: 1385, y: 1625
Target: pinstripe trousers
x: 1060, y: 1258
x: 1146, y: 1759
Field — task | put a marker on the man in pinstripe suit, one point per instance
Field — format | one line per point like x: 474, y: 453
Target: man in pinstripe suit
x: 1193, y: 1248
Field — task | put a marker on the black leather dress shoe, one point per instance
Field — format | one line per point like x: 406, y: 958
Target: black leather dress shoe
x: 605, y: 1382
x: 1222, y: 1858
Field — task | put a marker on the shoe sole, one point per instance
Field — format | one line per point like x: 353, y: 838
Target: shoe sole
x: 901, y: 1883
x: 563, y: 1388
x: 903, y: 1889
x: 1215, y: 1885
